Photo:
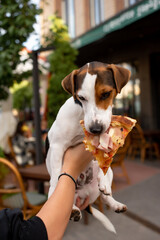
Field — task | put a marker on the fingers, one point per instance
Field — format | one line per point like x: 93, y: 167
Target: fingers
x: 78, y: 152
x: 83, y: 205
x: 76, y: 159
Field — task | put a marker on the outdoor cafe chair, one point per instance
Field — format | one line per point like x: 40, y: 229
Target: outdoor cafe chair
x: 15, y: 195
x: 139, y: 144
x: 118, y: 159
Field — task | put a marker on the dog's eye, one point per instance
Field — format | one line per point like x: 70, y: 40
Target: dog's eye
x: 82, y: 98
x: 105, y: 95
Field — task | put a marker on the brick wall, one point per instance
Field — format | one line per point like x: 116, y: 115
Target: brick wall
x: 57, y: 7
x: 82, y: 13
x: 82, y: 16
x: 48, y: 10
x: 109, y: 8
x: 120, y: 5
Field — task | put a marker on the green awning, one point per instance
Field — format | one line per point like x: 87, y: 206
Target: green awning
x: 137, y: 12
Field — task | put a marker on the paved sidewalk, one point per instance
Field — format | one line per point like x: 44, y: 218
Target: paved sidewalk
x: 142, y: 221
x: 143, y: 199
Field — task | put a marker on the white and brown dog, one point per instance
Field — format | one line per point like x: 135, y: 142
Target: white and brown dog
x: 94, y: 87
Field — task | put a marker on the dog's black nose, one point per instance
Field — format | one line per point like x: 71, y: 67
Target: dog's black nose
x: 96, y: 128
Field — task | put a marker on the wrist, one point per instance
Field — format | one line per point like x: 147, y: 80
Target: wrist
x: 70, y: 171
x: 64, y: 174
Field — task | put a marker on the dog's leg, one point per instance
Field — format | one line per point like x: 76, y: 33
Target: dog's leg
x: 76, y: 214
x: 113, y: 204
x: 105, y: 183
x: 54, y: 165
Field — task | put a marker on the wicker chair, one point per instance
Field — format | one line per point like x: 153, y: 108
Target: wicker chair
x: 12, y: 153
x: 118, y: 159
x: 13, y: 194
x: 139, y: 144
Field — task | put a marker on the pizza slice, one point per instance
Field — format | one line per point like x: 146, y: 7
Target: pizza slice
x: 105, y: 146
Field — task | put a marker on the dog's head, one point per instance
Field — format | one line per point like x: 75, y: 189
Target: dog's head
x: 94, y: 86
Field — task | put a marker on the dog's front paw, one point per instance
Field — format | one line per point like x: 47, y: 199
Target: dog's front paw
x: 75, y: 215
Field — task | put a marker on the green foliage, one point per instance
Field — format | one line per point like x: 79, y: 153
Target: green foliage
x: 61, y: 64
x: 1, y: 153
x: 59, y: 30
x: 16, y: 23
x: 3, y: 169
x: 22, y: 95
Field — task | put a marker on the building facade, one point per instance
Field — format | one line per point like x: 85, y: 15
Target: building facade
x: 82, y: 15
x: 125, y: 32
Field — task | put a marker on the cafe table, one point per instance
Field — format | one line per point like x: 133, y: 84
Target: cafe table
x: 36, y: 172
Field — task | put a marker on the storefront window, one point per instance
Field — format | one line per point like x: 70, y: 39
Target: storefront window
x: 129, y: 3
x: 96, y: 12
x: 128, y: 101
x: 68, y: 14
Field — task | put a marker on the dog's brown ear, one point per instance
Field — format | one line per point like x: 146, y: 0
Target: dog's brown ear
x: 68, y: 82
x: 121, y: 76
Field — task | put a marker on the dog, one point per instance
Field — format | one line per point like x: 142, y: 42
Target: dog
x: 93, y: 87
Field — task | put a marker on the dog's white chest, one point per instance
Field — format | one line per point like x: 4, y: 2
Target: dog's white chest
x: 66, y: 129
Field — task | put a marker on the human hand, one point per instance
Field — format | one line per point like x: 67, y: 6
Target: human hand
x: 75, y: 160
x: 81, y: 205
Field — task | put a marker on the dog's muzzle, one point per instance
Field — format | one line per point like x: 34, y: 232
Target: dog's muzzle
x: 96, y: 128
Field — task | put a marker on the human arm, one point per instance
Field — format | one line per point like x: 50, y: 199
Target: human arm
x: 56, y: 211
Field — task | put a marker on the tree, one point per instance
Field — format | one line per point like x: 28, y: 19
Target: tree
x: 61, y: 64
x: 16, y: 23
x: 22, y: 95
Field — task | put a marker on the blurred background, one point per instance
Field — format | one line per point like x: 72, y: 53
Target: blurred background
x: 41, y: 41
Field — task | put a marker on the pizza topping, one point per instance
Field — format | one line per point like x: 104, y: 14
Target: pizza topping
x: 117, y: 135
x: 95, y: 141
x: 102, y: 142
x: 106, y: 143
